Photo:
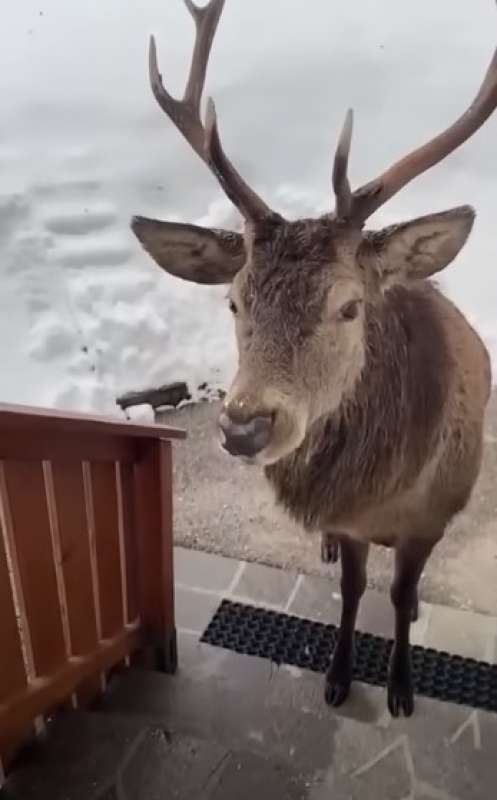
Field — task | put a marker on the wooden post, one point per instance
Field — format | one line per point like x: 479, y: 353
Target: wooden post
x: 154, y: 532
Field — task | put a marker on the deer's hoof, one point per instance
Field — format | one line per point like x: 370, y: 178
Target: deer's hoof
x: 339, y: 678
x: 400, y: 688
x: 400, y: 700
x: 336, y: 693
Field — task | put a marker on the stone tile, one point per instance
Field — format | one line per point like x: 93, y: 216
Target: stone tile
x: 317, y: 599
x: 387, y: 779
x: 194, y: 610
x: 204, y: 570
x: 246, y: 776
x: 262, y: 584
x: 169, y: 765
x: 453, y: 750
x: 462, y: 633
x: 233, y: 672
x: 78, y: 761
x: 420, y: 627
x: 297, y: 725
x: 493, y: 651
x: 376, y: 615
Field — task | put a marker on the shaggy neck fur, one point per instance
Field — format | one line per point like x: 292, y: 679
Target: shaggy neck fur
x: 380, y: 437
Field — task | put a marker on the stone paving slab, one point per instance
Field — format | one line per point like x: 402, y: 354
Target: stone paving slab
x: 198, y: 594
x: 269, y: 586
x: 248, y: 776
x: 194, y: 610
x: 203, y: 570
x: 317, y: 599
x: 459, y: 632
x: 79, y: 762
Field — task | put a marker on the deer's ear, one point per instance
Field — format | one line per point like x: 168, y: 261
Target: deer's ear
x: 200, y: 255
x: 423, y: 246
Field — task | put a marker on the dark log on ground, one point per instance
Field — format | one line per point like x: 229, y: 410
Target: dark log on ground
x: 171, y: 394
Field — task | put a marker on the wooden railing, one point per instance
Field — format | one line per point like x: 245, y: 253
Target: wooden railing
x: 86, y: 572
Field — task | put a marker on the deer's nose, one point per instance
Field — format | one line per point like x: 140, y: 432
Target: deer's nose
x: 245, y: 438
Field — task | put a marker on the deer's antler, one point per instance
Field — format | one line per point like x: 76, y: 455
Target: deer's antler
x: 357, y: 206
x: 185, y: 113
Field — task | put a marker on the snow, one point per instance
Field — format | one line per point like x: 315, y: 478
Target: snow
x: 84, y: 314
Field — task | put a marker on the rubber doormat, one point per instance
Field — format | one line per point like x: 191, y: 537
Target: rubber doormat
x: 303, y: 643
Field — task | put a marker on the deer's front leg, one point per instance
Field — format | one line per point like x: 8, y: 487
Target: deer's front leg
x: 410, y: 559
x: 354, y: 556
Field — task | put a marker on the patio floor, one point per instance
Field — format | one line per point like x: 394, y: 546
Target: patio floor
x: 230, y: 726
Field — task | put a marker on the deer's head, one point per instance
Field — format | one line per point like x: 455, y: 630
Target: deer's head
x: 299, y: 291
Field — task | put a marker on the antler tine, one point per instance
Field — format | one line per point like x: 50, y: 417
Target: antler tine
x: 231, y: 181
x: 368, y: 198
x: 206, y: 22
x: 341, y: 185
x: 192, y: 8
x: 185, y: 113
x: 165, y: 100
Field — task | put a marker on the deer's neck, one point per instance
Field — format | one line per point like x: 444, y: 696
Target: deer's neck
x: 380, y: 437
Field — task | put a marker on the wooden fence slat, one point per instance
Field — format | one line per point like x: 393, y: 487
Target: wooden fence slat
x: 153, y: 498
x: 70, y: 506
x: 74, y: 539
x: 127, y: 503
x: 12, y: 669
x: 166, y: 480
x: 13, y: 663
x: 28, y: 508
x: 107, y: 548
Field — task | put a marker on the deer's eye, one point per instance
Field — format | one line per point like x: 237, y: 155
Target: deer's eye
x: 233, y: 307
x: 350, y: 310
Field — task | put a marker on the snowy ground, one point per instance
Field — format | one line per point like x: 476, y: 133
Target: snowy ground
x: 84, y: 314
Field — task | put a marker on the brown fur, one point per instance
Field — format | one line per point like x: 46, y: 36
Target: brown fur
x: 376, y: 444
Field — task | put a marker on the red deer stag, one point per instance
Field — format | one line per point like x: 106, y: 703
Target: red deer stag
x: 360, y: 388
